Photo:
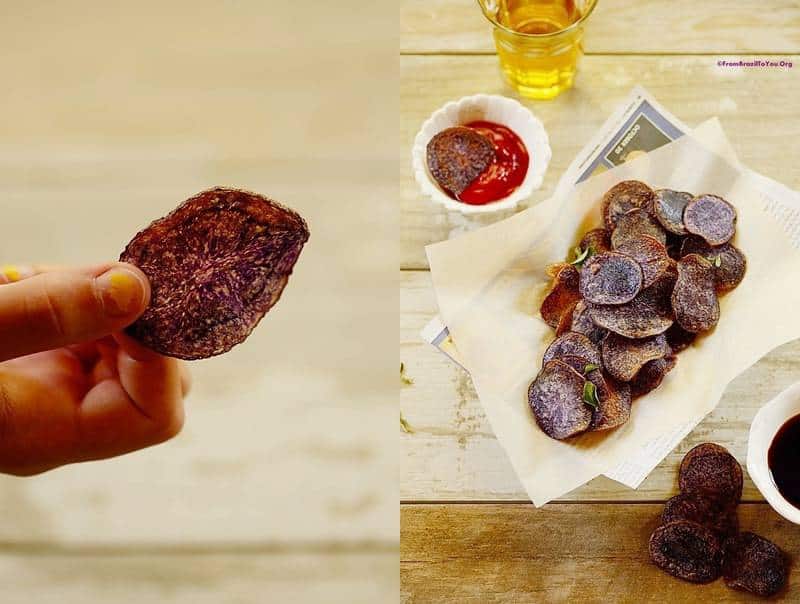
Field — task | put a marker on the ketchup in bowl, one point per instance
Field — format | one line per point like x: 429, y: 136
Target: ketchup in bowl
x: 505, y: 174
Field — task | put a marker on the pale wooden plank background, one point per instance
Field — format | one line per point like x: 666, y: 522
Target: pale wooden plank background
x: 199, y: 577
x: 283, y: 481
x: 738, y: 98
x: 620, y: 26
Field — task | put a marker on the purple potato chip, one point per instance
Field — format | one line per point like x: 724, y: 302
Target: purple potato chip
x: 650, y: 254
x: 634, y: 224
x: 216, y: 265
x: 572, y: 344
x: 563, y: 295
x: 556, y: 399
x: 668, y: 207
x: 755, y: 564
x: 687, y: 550
x: 597, y: 240
x: 728, y: 262
x: 710, y: 217
x: 610, y: 278
x: 694, y: 298
x: 624, y: 197
x: 457, y: 156
x: 624, y: 357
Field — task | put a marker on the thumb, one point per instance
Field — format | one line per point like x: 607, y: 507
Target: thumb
x: 62, y: 307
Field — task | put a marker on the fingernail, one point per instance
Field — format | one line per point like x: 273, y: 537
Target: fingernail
x: 121, y: 290
x: 12, y: 273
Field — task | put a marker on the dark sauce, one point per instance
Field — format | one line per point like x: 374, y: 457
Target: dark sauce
x: 783, y: 459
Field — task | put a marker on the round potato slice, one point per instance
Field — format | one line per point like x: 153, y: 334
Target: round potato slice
x: 610, y: 278
x: 649, y: 314
x: 622, y: 198
x: 572, y: 344
x: 709, y: 469
x: 556, y: 399
x: 457, y: 156
x: 694, y: 297
x: 728, y: 262
x: 597, y: 240
x: 651, y: 375
x: 582, y: 323
x: 650, y: 254
x: 754, y: 564
x: 719, y: 517
x: 634, y: 224
x: 710, y: 217
x: 624, y: 357
x: 562, y: 296
x: 668, y: 207
x: 687, y: 550
x: 614, y: 402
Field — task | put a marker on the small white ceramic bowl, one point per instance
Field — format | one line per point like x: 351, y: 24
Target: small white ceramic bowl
x: 765, y: 425
x: 492, y: 108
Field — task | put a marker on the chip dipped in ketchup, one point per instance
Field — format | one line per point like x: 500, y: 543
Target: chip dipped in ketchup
x: 498, y: 176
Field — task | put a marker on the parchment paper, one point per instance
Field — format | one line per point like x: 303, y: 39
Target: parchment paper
x: 489, y: 285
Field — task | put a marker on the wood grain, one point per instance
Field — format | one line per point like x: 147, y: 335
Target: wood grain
x: 735, y: 96
x: 452, y: 453
x: 211, y: 577
x: 559, y: 553
x: 618, y: 26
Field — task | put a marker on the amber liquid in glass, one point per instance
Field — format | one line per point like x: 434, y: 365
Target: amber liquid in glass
x: 542, y: 66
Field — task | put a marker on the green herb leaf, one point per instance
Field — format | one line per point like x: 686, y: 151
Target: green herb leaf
x: 580, y: 256
x: 403, y: 377
x: 404, y: 425
x: 718, y: 261
x: 590, y: 367
x: 590, y: 395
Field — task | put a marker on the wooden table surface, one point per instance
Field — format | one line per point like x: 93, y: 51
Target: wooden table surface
x: 468, y: 531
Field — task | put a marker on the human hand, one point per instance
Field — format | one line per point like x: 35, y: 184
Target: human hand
x: 73, y: 387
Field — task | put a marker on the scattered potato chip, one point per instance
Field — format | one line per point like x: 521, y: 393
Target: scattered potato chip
x: 556, y: 399
x: 754, y: 564
x: 634, y: 224
x: 614, y: 402
x: 694, y: 298
x: 687, y: 550
x: 651, y: 375
x: 597, y: 241
x: 562, y: 296
x: 457, y: 156
x: 720, y: 517
x: 624, y: 197
x: 572, y: 344
x: 728, y: 262
x: 668, y: 207
x: 709, y: 469
x: 678, y: 338
x: 650, y: 254
x: 647, y: 315
x: 711, y: 217
x: 624, y: 357
x: 582, y: 323
x: 610, y: 278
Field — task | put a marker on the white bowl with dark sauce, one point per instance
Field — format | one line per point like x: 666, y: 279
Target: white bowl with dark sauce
x: 769, y: 462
